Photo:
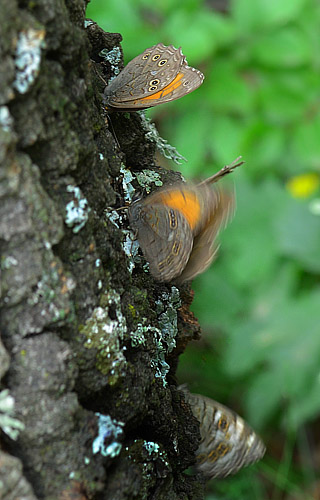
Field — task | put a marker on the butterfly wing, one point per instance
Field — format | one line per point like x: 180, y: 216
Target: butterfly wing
x: 157, y: 63
x: 227, y: 442
x: 187, y: 80
x: 218, y: 207
x: 160, y: 74
x: 164, y: 237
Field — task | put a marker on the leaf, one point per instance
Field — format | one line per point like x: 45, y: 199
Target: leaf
x: 307, y: 406
x: 226, y: 137
x: 222, y: 302
x: 285, y: 343
x: 263, y: 398
x: 305, y: 142
x: 252, y: 15
x: 199, y: 32
x: 190, y: 140
x: 284, y: 48
x: 286, y: 99
x: 263, y: 146
x: 298, y: 234
x: 227, y: 89
x: 251, y: 235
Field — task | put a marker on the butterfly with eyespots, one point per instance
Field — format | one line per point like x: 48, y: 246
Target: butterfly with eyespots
x: 160, y: 74
x: 227, y: 443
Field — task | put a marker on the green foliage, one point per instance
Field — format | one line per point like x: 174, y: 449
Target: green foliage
x: 259, y: 303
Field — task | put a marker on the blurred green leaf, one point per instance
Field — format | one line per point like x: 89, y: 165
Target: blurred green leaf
x: 195, y: 126
x: 263, y: 398
x: 249, y: 340
x: 297, y: 231
x: 284, y: 100
x: 284, y: 48
x: 227, y: 89
x: 199, y: 32
x: 226, y: 134
x: 251, y: 236
x: 305, y: 142
x: 252, y: 15
x: 222, y: 302
x: 263, y: 146
x: 285, y: 343
x: 307, y: 406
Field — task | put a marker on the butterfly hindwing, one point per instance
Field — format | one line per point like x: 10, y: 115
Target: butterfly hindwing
x: 227, y: 443
x: 165, y: 239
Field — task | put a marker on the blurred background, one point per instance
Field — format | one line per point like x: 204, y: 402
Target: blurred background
x: 259, y: 303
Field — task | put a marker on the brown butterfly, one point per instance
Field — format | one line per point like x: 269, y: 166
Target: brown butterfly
x: 227, y: 442
x: 176, y: 226
x: 160, y: 74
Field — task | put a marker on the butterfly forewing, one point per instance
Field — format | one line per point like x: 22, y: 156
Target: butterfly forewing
x: 219, y: 208
x: 227, y: 442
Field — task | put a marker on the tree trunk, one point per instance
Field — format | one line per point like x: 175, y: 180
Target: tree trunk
x: 93, y: 340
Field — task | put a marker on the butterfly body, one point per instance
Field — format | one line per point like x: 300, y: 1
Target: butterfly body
x: 160, y: 74
x: 227, y: 443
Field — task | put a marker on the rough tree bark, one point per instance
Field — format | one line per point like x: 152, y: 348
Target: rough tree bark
x: 86, y: 334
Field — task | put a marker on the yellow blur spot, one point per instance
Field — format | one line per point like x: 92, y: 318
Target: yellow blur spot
x: 302, y: 186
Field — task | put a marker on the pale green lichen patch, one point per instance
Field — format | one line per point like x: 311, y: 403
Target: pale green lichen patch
x: 114, y: 217
x: 146, y: 177
x: 159, y: 363
x: 126, y: 183
x: 6, y: 120
x: 87, y: 23
x: 151, y: 447
x: 77, y: 210
x: 8, y: 423
x: 165, y: 335
x: 167, y: 317
x: 28, y: 58
x: 110, y: 434
x: 138, y: 335
x: 104, y: 330
x: 154, y: 452
x: 113, y: 57
x: 130, y: 247
x: 162, y: 145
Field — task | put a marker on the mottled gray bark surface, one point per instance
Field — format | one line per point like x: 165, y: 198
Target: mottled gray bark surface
x: 82, y: 332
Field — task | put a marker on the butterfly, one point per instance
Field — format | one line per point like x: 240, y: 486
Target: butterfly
x: 160, y: 74
x: 227, y: 442
x: 176, y: 226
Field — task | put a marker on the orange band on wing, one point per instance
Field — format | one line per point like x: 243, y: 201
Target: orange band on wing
x: 166, y: 90
x: 185, y: 202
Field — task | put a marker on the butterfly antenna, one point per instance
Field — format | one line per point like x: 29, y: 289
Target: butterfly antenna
x: 98, y: 74
x: 113, y: 131
x: 227, y: 169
